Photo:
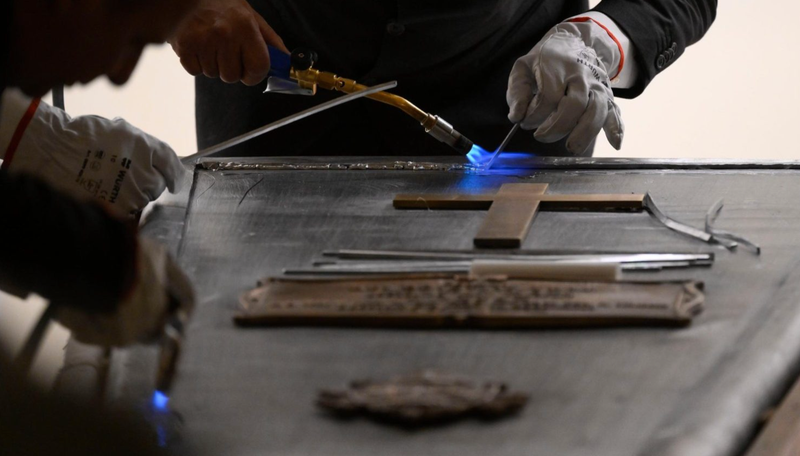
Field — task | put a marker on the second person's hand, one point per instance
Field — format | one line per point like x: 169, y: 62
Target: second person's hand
x: 562, y: 87
x: 226, y: 39
x: 160, y: 289
x: 87, y: 156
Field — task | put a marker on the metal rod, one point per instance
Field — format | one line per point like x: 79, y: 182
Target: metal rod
x: 653, y: 265
x: 24, y: 360
x: 288, y: 120
x: 711, y: 217
x: 460, y: 256
x: 58, y: 97
x: 462, y: 267
x: 387, y: 262
x: 501, y: 148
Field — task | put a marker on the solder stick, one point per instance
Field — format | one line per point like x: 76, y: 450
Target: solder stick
x: 366, y: 91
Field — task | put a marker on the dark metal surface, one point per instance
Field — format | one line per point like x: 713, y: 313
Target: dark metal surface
x: 516, y: 161
x: 697, y: 390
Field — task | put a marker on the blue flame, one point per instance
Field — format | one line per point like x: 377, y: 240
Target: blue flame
x: 478, y: 156
x: 160, y: 401
x: 481, y: 161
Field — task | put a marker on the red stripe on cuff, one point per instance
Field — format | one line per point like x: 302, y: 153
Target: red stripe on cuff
x: 19, y: 132
x: 619, y: 45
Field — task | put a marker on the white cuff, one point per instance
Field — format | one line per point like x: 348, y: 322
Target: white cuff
x: 14, y: 106
x: 627, y: 76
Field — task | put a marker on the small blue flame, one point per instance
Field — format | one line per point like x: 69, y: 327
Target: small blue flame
x: 481, y: 159
x: 478, y: 155
x: 160, y: 401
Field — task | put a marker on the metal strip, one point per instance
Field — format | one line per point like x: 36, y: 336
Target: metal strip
x: 357, y: 166
x: 711, y: 217
x: 27, y: 354
x: 524, y: 163
x: 288, y: 120
x: 682, y: 227
x: 58, y: 97
x: 379, y: 264
x: 636, y: 257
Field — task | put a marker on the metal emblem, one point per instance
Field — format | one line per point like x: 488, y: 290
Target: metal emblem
x: 424, y: 398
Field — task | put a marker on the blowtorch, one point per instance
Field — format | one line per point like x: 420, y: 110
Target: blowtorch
x: 295, y: 74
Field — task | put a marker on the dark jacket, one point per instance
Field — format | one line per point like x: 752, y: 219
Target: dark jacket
x: 450, y: 57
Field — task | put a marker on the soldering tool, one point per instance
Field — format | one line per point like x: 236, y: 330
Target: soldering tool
x: 295, y: 74
x: 171, y: 345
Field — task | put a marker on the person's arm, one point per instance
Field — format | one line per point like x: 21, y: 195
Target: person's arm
x: 660, y: 31
x: 566, y: 85
x: 109, y: 287
x: 72, y: 253
x: 87, y: 156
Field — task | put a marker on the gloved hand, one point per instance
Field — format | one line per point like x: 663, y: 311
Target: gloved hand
x: 88, y: 156
x: 226, y: 39
x: 562, y: 87
x: 160, y: 289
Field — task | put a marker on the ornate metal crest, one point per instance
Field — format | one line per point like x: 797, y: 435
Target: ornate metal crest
x: 423, y: 398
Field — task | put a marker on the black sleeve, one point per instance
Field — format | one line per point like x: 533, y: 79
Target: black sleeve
x: 660, y: 30
x: 69, y: 252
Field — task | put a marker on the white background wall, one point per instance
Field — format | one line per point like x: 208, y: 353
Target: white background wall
x: 735, y: 94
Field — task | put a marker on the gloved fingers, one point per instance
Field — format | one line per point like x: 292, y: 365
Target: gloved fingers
x: 544, y: 103
x: 521, y: 90
x: 614, y: 127
x: 570, y: 109
x: 180, y: 287
x: 255, y: 58
x: 229, y: 62
x: 169, y: 165
x: 87, y: 328
x: 143, y: 314
x: 208, y: 60
x: 589, y: 125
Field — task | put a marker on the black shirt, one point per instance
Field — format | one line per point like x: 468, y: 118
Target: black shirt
x: 450, y: 57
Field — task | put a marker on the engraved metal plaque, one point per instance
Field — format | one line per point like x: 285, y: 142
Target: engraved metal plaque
x: 448, y: 301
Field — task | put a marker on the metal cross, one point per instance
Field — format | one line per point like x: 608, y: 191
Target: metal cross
x: 513, y: 208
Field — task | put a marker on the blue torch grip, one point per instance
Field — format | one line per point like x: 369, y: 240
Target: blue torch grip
x: 280, y: 63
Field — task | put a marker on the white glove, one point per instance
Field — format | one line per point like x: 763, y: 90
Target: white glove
x: 562, y: 87
x: 88, y: 156
x: 142, y: 315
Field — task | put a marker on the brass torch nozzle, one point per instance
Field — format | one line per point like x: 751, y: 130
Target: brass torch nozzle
x: 434, y: 125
